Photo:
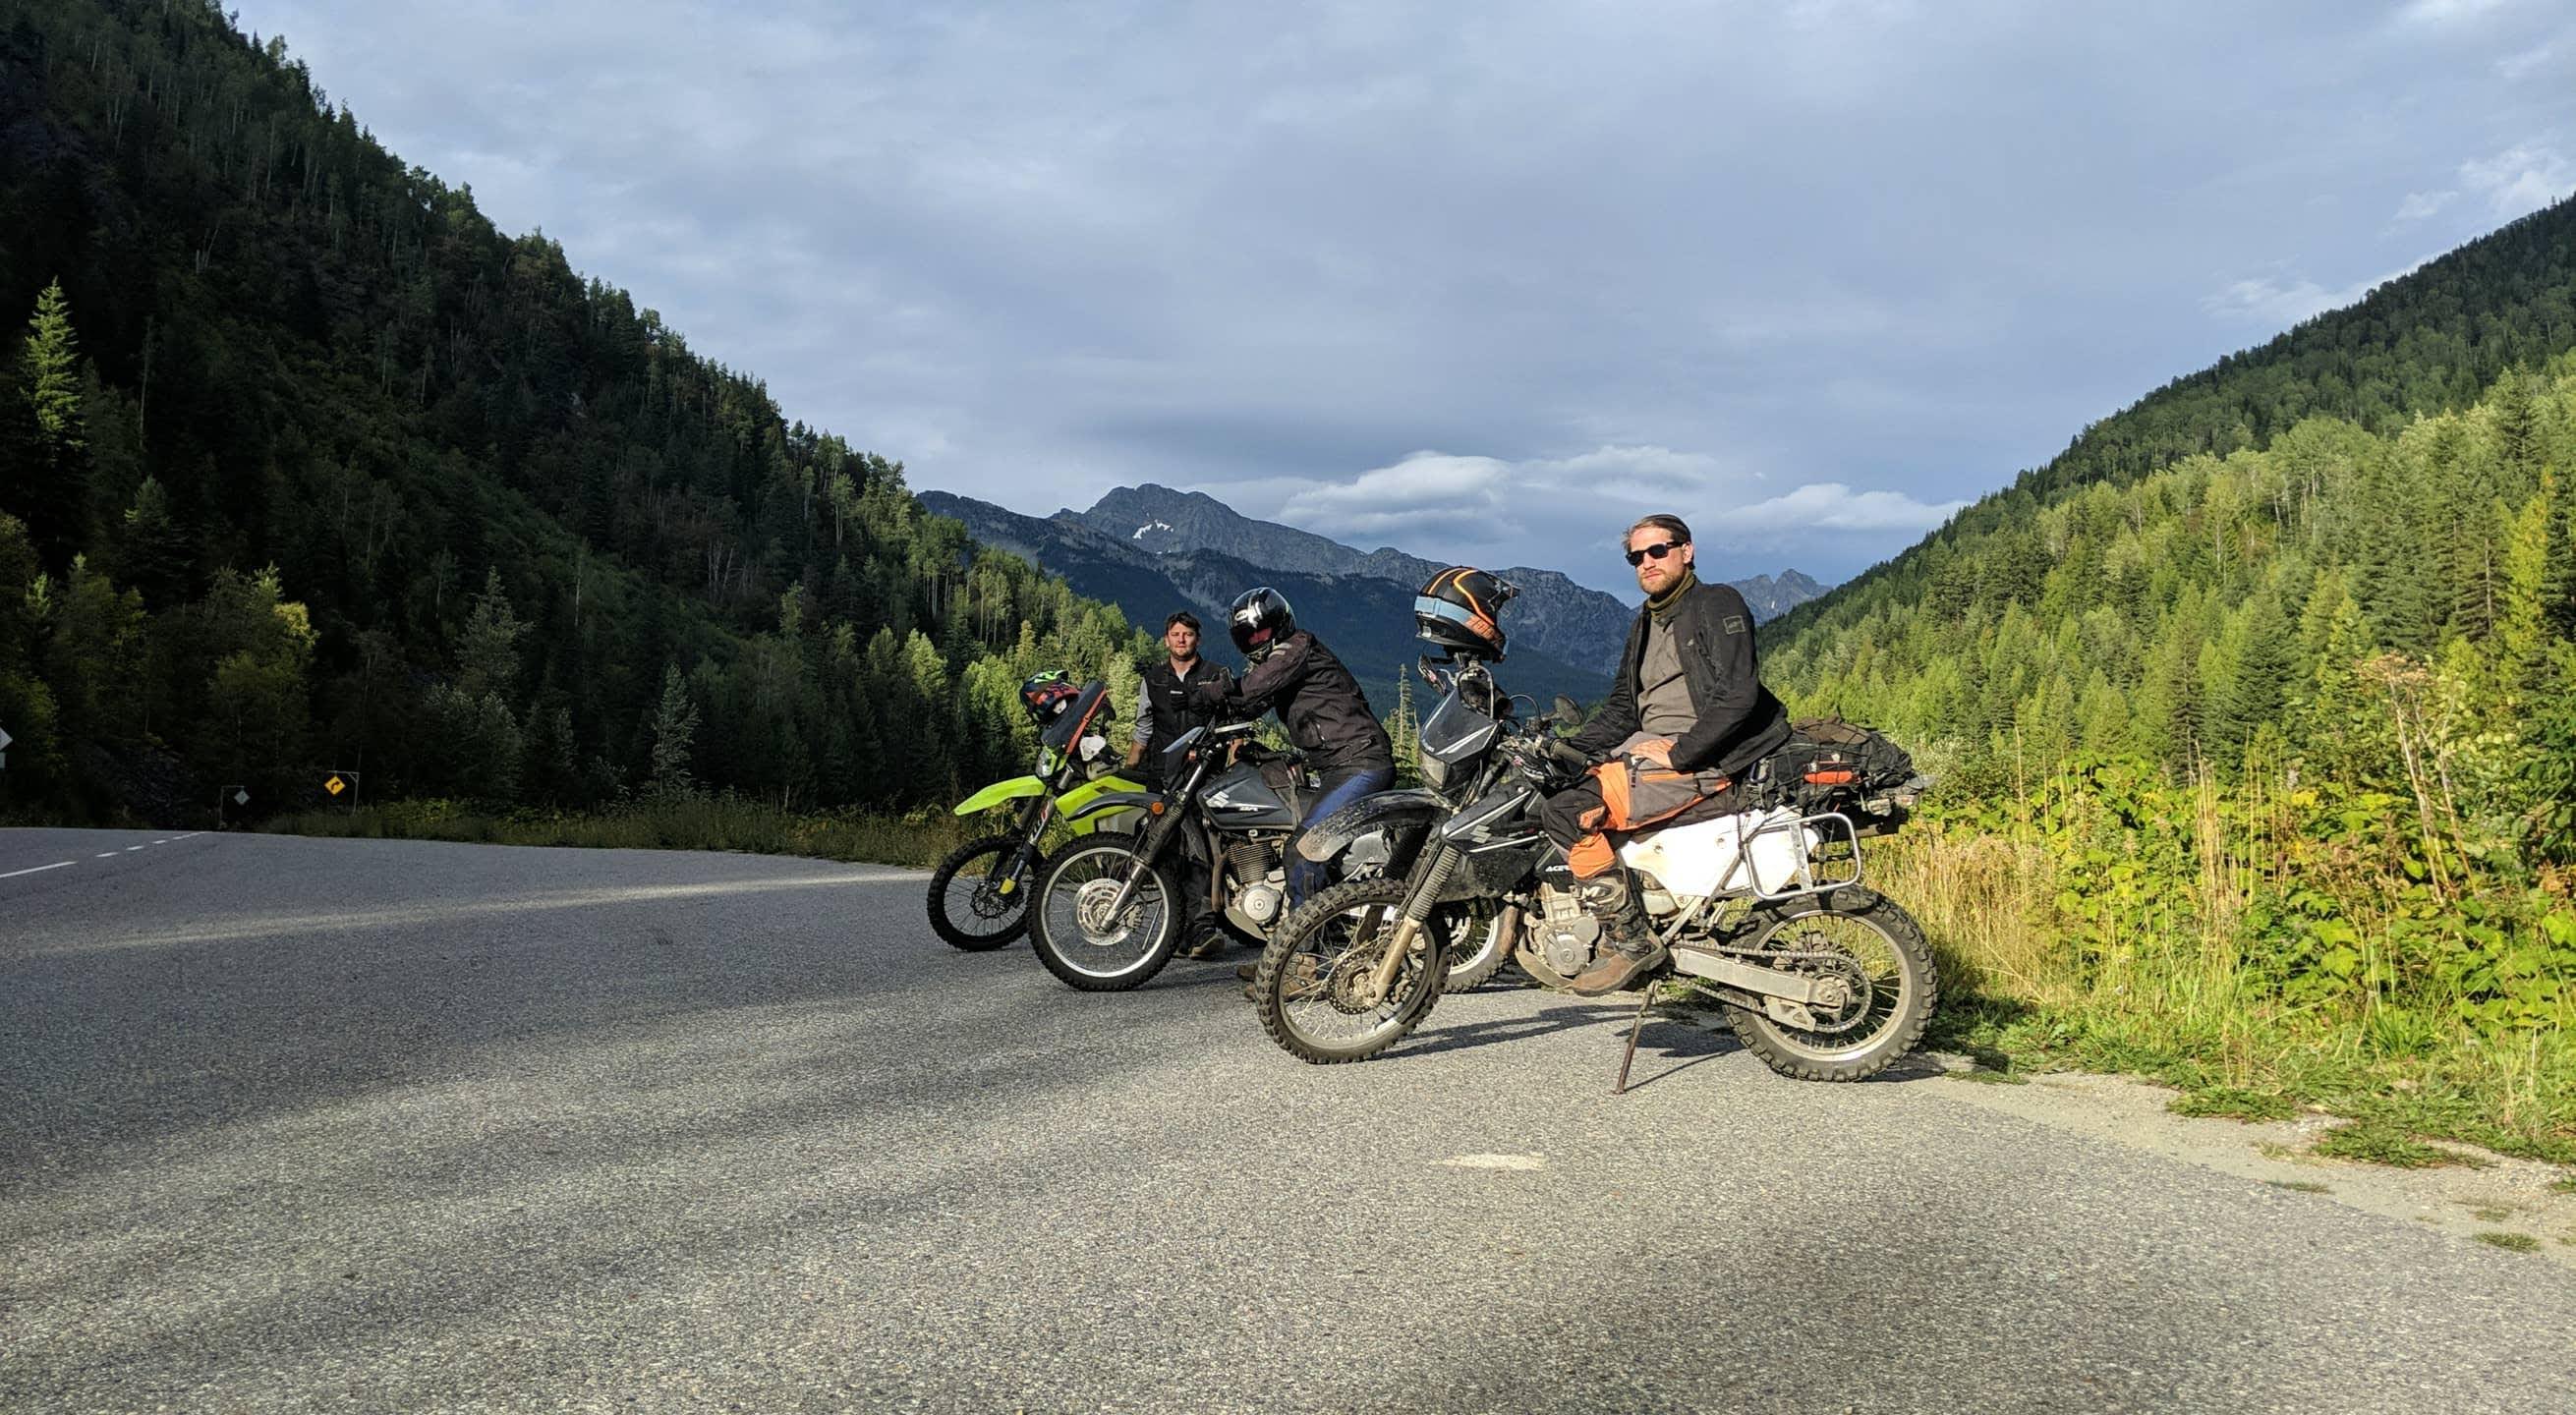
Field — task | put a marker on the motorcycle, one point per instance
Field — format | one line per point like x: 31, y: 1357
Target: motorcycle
x: 979, y: 894
x: 1765, y: 911
x: 1110, y: 910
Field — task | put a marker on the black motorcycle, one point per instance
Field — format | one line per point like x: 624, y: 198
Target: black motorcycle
x: 1109, y: 911
x: 1763, y: 910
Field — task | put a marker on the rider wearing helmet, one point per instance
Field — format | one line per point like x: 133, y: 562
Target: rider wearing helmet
x: 1686, y: 717
x: 1317, y: 700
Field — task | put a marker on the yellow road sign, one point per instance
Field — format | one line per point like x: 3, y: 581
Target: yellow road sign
x: 335, y: 785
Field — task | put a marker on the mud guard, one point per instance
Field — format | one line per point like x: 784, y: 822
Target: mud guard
x: 1016, y: 788
x: 1333, y: 834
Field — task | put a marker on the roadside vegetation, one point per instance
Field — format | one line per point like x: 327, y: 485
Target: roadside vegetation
x: 2258, y: 773
x: 678, y: 822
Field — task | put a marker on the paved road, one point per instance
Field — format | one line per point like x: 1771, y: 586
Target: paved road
x: 314, y: 1125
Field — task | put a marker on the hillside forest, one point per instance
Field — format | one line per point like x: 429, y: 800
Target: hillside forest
x: 306, y: 467
x: 2261, y: 757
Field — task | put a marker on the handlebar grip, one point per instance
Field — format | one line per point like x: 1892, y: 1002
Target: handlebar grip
x: 1566, y: 755
x: 1233, y: 729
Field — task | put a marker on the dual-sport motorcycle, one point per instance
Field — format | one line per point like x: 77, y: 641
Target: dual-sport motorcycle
x: 1110, y: 911
x: 1765, y: 911
x: 979, y: 894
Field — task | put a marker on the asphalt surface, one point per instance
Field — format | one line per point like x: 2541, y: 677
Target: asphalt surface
x: 324, y: 1125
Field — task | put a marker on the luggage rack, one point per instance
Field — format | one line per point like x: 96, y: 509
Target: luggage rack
x: 1831, y: 828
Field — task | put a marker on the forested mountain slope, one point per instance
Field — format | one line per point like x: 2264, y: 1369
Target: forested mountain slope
x: 2219, y: 569
x: 2256, y: 715
x: 308, y: 466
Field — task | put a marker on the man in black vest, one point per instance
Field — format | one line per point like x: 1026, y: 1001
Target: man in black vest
x: 1163, y: 708
x: 1164, y: 711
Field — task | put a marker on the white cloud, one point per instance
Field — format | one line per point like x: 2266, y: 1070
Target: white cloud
x: 2279, y: 304
x: 2514, y: 68
x: 2419, y: 205
x: 2521, y: 179
x: 2449, y: 12
x: 1489, y: 500
x: 1832, y: 506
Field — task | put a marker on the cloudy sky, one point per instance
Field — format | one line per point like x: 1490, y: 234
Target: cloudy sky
x: 1480, y: 281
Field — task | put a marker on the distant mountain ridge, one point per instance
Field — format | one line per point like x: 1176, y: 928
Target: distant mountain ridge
x: 1147, y: 548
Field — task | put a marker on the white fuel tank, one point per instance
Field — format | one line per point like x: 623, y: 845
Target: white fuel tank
x: 1710, y: 856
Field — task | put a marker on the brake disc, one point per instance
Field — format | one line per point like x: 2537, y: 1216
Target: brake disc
x: 1091, y: 906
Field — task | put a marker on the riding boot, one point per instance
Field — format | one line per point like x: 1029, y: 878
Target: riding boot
x: 1629, y: 948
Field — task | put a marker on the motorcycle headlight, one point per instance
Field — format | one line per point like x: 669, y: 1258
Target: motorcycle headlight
x: 1435, y: 772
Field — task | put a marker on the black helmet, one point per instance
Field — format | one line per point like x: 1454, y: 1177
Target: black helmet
x: 1461, y: 609
x: 1259, y: 620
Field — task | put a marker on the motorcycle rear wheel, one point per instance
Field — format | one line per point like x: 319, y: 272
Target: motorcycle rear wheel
x: 1305, y: 987
x: 1886, y: 947
x: 971, y: 909
x: 1099, y: 954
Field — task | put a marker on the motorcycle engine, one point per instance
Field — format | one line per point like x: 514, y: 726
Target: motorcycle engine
x: 1567, y: 932
x: 1263, y: 896
x: 1262, y: 902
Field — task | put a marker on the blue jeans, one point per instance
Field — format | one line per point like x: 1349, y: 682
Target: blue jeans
x: 1340, y: 789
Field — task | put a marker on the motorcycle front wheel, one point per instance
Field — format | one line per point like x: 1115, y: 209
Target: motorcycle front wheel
x: 1873, y: 946
x: 1313, y: 987
x: 979, y: 895
x: 1079, y: 939
x: 1479, y: 945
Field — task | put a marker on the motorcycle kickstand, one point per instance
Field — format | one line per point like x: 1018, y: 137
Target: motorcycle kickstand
x: 1634, y: 1030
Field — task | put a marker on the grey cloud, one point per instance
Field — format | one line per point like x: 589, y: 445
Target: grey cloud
x: 1902, y: 250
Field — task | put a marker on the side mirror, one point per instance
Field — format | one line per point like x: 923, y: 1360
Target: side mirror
x: 1566, y: 712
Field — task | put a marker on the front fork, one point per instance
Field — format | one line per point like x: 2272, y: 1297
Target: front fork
x: 1012, y: 866
x: 1415, y: 918
x: 1149, y: 847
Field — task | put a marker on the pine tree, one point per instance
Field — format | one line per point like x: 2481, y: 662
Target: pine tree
x: 44, y: 434
x: 2558, y: 557
x: 1406, y: 734
x: 674, y: 729
x: 52, y: 374
x: 2257, y: 681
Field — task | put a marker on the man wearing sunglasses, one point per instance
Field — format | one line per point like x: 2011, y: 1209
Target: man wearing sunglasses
x: 1686, y: 717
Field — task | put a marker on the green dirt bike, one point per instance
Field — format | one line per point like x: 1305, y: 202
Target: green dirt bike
x: 979, y: 895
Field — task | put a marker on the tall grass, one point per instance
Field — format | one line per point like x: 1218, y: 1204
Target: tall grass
x: 693, y: 822
x: 2248, y: 954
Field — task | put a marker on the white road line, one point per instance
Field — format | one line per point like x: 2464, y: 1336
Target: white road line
x: 191, y: 835
x: 160, y: 842
x: 130, y: 849
x: 40, y: 869
x: 110, y: 855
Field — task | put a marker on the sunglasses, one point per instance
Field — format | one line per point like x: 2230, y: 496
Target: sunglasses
x: 1659, y: 550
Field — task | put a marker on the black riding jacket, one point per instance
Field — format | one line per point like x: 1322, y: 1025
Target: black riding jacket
x: 1740, y: 722
x: 1317, y: 700
x: 1168, y: 709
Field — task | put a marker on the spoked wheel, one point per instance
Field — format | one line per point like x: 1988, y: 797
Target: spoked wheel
x: 1085, y: 937
x: 1479, y: 945
x: 1882, y: 1000
x: 979, y: 895
x: 1315, y: 989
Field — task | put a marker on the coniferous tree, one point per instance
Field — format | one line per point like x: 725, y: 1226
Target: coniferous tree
x: 44, y: 433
